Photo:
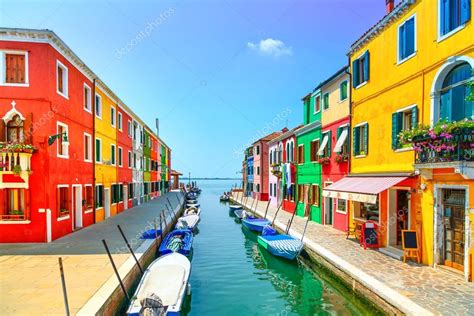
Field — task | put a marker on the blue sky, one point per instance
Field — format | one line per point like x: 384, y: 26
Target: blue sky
x: 217, y: 73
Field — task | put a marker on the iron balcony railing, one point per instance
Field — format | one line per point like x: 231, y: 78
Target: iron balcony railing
x: 460, y: 147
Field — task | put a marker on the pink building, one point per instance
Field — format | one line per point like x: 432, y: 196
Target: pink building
x: 260, y: 165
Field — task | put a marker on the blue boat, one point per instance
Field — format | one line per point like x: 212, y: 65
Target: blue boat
x: 280, y: 245
x: 179, y: 240
x: 255, y: 224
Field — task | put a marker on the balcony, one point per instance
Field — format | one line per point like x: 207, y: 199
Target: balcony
x: 276, y: 170
x: 15, y: 166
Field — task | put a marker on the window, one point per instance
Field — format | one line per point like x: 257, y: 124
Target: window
x: 87, y: 147
x: 314, y: 150
x: 120, y: 153
x: 13, y: 206
x: 361, y: 135
x: 130, y: 190
x: 258, y: 187
x: 116, y: 192
x: 98, y: 150
x: 129, y: 159
x: 341, y: 206
x: 326, y: 101
x: 453, y: 14
x: 406, y: 39
x: 112, y: 154
x: 129, y: 131
x: 88, y: 197
x: 112, y: 116
x: 315, y: 194
x: 15, y: 130
x: 63, y: 201
x: 403, y: 120
x: 454, y: 105
x: 16, y: 68
x: 87, y: 98
x: 325, y: 148
x: 61, y: 79
x: 119, y: 121
x: 342, y: 144
x: 300, y: 154
x: 366, y: 211
x: 300, y: 193
x: 343, y: 91
x: 98, y: 106
x: 99, y: 196
x: 134, y: 160
x: 135, y: 127
x: 258, y: 150
x: 62, y: 140
x: 271, y: 189
x: 361, y: 69
x: 317, y: 104
x: 258, y: 170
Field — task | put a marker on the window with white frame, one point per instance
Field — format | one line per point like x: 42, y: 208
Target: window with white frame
x: 119, y: 121
x: 341, y: 206
x: 62, y: 140
x: 87, y: 147
x: 361, y: 69
x: 112, y: 154
x: 403, y: 120
x: 112, y: 116
x: 406, y: 39
x: 15, y: 68
x: 61, y: 79
x: 453, y: 15
x: 98, y: 105
x: 120, y: 156
x: 87, y: 96
x: 134, y: 160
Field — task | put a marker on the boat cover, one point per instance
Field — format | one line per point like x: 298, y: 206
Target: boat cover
x: 165, y: 282
x: 283, y: 245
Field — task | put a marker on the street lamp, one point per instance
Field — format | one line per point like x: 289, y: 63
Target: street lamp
x: 52, y: 139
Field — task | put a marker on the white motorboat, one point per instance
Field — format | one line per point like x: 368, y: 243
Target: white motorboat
x: 164, y: 284
x: 189, y: 221
x: 192, y: 211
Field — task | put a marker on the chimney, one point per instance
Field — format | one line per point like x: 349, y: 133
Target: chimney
x: 390, y: 5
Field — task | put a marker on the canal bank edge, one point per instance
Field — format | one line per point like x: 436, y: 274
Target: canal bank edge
x: 360, y: 282
x: 109, y: 298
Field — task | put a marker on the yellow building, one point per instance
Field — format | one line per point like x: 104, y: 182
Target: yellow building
x: 105, y: 154
x: 408, y: 70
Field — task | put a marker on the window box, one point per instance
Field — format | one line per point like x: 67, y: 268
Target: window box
x: 342, y: 158
x: 324, y: 160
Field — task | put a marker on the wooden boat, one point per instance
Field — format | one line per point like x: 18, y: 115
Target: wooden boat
x: 187, y: 222
x: 241, y: 213
x: 234, y: 207
x: 224, y: 198
x: 178, y: 240
x: 255, y: 224
x: 188, y: 205
x: 165, y: 283
x: 192, y: 211
x: 280, y: 245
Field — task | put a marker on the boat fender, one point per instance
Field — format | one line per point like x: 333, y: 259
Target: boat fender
x: 188, y: 289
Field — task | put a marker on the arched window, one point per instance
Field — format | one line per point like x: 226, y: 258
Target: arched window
x: 15, y: 130
x: 453, y: 103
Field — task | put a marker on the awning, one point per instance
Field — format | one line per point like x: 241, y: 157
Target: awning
x: 361, y: 189
x: 340, y: 141
x: 323, y: 144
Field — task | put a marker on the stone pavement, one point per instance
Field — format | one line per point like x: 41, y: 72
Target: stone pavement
x: 417, y: 289
x: 29, y: 275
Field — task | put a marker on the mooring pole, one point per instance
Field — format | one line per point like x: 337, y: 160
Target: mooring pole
x: 130, y: 248
x: 276, y: 213
x: 266, y: 210
x: 115, y: 270
x: 63, y: 283
x: 155, y: 228
x: 161, y: 227
x: 306, y: 226
x: 287, y: 226
x: 294, y: 212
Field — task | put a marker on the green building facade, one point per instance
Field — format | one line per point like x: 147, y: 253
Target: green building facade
x: 308, y: 170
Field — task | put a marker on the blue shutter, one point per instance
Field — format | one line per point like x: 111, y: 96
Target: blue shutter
x: 355, y: 73
x: 366, y: 66
x: 366, y: 138
x: 414, y: 117
x: 465, y: 11
x: 401, y: 42
x: 445, y: 107
x: 355, y: 137
x: 445, y: 14
x: 409, y: 37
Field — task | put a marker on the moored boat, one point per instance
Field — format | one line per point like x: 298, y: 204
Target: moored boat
x: 178, y: 240
x: 255, y: 224
x: 162, y: 289
x: 280, y: 245
x: 192, y: 211
x: 187, y: 222
x: 234, y: 207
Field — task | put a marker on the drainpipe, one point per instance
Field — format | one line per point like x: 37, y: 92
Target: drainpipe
x: 93, y: 150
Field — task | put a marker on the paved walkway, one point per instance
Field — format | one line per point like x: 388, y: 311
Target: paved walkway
x: 417, y: 289
x: 29, y: 275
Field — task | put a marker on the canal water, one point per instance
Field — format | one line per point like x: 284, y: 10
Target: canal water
x: 232, y: 275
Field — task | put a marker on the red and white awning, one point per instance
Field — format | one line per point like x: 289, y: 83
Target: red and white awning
x: 361, y: 189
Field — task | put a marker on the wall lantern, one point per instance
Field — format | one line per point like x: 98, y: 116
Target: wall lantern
x: 52, y: 139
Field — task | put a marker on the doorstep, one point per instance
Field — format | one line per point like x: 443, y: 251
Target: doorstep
x: 392, y: 252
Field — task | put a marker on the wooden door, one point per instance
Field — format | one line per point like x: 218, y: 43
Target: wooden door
x: 454, y: 233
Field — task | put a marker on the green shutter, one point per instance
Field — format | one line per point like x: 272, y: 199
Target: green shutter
x: 355, y: 137
x: 414, y: 117
x: 329, y: 144
x: 397, y: 118
x: 366, y: 138
x: 338, y: 132
x: 355, y: 73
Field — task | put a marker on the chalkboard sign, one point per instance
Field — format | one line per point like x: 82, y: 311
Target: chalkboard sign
x: 370, y: 238
x: 410, y: 239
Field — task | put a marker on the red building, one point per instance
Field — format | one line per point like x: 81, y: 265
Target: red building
x: 43, y: 104
x: 124, y: 157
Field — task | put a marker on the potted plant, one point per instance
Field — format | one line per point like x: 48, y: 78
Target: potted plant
x: 324, y: 160
x: 17, y: 170
x: 340, y: 158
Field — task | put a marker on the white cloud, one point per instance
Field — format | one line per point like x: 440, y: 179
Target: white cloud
x: 271, y: 47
